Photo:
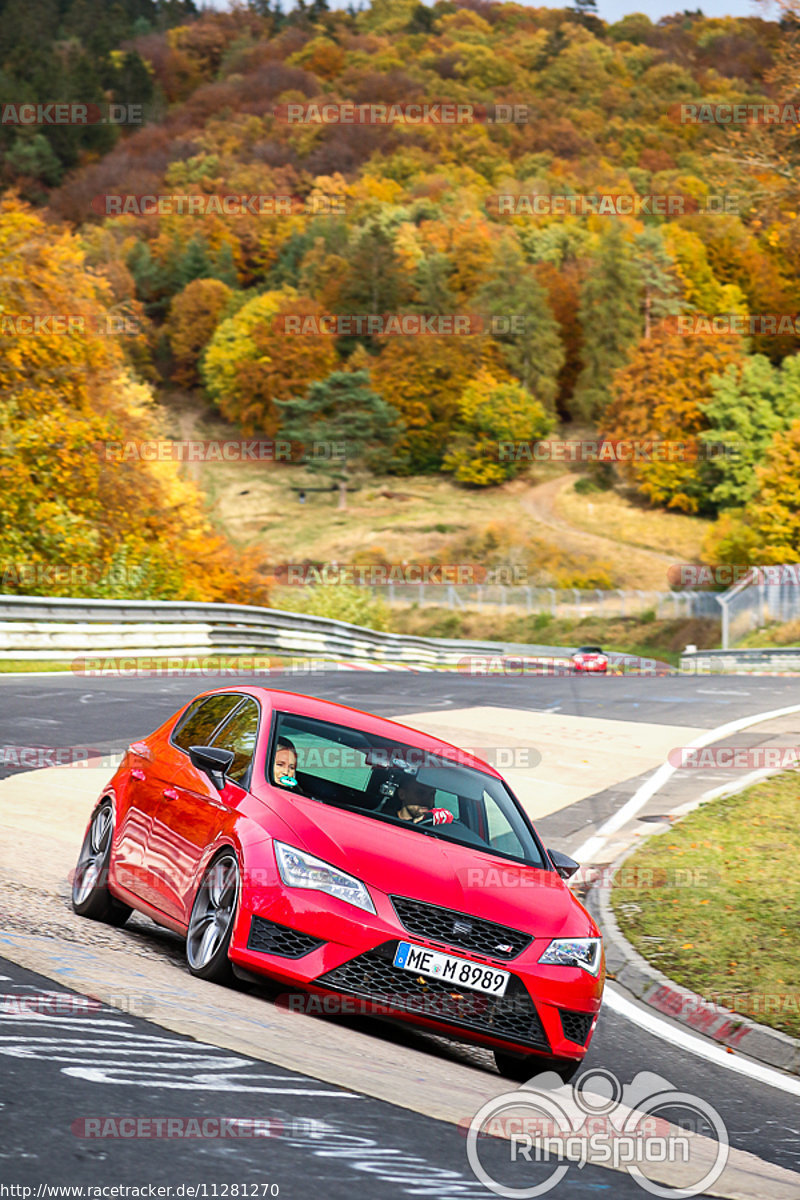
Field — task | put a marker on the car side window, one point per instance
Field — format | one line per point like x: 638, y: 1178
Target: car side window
x: 197, y: 726
x: 501, y: 836
x: 239, y: 734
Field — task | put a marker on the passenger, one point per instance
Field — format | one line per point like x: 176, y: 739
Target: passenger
x: 284, y: 765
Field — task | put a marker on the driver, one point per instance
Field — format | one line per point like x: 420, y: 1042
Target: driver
x: 415, y: 803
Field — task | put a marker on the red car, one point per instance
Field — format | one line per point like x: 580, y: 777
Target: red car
x: 591, y: 659
x: 351, y: 857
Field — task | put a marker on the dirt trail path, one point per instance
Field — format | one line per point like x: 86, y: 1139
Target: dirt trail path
x: 647, y: 566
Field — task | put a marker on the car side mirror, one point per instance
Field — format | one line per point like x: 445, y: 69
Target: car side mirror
x: 565, y: 865
x: 213, y: 761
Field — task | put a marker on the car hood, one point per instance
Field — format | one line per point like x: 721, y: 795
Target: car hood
x: 406, y: 862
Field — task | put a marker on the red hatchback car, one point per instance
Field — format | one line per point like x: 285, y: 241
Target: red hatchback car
x: 590, y: 659
x: 349, y: 856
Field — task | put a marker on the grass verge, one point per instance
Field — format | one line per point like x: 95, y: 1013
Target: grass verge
x: 715, y: 902
x: 612, y: 515
x: 10, y: 666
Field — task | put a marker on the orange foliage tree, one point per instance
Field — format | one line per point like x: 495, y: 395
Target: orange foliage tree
x: 78, y: 484
x: 424, y: 378
x: 193, y: 316
x: 659, y: 396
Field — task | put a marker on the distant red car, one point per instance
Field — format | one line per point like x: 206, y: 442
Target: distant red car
x: 591, y: 659
x: 351, y: 857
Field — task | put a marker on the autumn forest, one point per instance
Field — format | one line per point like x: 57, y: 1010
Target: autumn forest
x: 558, y: 226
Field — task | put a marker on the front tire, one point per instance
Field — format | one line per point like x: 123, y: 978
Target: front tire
x: 212, y: 919
x: 90, y: 895
x: 523, y: 1067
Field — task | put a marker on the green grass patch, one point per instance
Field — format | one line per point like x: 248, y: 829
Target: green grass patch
x: 714, y: 903
x: 773, y: 636
x: 9, y: 666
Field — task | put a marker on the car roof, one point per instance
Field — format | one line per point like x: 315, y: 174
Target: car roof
x: 328, y: 710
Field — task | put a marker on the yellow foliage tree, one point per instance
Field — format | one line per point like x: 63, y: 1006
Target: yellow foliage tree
x: 492, y: 412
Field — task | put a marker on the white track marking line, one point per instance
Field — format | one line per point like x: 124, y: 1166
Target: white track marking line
x: 648, y: 789
x: 690, y: 1042
x: 720, y: 692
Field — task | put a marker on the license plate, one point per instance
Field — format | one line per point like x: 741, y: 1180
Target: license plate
x: 451, y: 969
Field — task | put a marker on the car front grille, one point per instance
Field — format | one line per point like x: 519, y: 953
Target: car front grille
x: 373, y: 976
x: 576, y: 1025
x: 459, y: 929
x: 270, y: 938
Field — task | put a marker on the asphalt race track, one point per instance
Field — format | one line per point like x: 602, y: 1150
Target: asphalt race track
x: 64, y: 1062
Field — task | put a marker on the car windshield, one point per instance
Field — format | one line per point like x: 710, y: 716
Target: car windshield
x: 403, y: 785
x: 590, y: 650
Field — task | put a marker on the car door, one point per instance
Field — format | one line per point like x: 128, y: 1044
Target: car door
x: 137, y: 803
x: 174, y: 783
x: 192, y: 811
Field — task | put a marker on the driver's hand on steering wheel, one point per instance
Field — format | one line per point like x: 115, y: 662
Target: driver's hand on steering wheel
x: 413, y: 812
x: 422, y: 813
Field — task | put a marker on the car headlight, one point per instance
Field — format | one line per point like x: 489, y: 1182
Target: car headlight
x: 574, y: 952
x: 301, y: 870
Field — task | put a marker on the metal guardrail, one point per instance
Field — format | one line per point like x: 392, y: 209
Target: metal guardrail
x: 711, y: 662
x: 60, y: 629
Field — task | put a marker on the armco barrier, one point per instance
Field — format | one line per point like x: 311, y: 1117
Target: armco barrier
x: 59, y: 629
x: 712, y: 662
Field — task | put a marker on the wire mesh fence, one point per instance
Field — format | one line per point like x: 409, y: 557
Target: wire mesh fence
x: 557, y: 602
x: 769, y: 595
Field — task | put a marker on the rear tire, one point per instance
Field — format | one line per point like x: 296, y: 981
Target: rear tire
x: 90, y: 895
x: 523, y: 1067
x: 212, y: 920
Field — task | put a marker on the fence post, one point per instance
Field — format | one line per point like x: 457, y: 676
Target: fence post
x: 722, y: 601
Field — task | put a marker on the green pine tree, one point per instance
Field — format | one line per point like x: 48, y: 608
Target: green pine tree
x: 195, y: 262
x: 610, y: 321
x: 224, y: 266
x: 523, y: 323
x: 749, y: 406
x: 375, y: 283
x: 148, y: 275
x: 432, y: 283
x: 660, y: 289
x: 340, y: 422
